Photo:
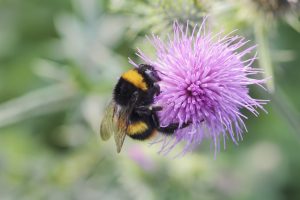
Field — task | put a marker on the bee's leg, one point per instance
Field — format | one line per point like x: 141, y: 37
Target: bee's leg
x: 156, y: 88
x: 171, y: 128
x: 147, y: 110
x: 168, y: 130
x: 155, y: 120
x: 155, y: 108
x: 143, y: 110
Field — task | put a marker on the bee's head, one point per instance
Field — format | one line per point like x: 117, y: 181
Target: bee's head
x: 149, y: 72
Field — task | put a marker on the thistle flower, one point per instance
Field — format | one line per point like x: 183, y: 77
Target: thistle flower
x: 204, y: 82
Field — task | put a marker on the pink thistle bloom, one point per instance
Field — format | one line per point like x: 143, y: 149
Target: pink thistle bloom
x: 204, y: 82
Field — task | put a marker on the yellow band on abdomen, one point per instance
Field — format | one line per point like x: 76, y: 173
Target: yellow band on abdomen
x: 137, y: 128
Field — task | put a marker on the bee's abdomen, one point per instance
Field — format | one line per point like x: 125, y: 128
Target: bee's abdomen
x: 140, y: 130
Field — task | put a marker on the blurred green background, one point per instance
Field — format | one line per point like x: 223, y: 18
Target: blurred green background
x: 59, y: 60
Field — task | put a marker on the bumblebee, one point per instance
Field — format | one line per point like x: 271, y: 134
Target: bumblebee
x: 131, y: 111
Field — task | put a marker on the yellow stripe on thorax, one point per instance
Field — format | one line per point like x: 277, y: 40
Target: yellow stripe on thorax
x: 133, y: 77
x: 137, y: 128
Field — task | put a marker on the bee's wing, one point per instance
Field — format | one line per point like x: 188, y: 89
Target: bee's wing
x: 122, y: 123
x: 119, y: 139
x: 122, y: 120
x: 108, y: 127
x: 115, y: 122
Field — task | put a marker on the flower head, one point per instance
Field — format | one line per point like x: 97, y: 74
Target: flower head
x: 204, y: 82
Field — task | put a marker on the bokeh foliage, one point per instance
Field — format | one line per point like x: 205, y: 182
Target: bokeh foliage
x: 59, y: 61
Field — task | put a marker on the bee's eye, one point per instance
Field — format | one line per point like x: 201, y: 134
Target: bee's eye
x: 149, y: 72
x: 153, y: 74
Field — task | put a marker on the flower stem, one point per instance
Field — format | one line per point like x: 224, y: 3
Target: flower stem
x: 264, y: 53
